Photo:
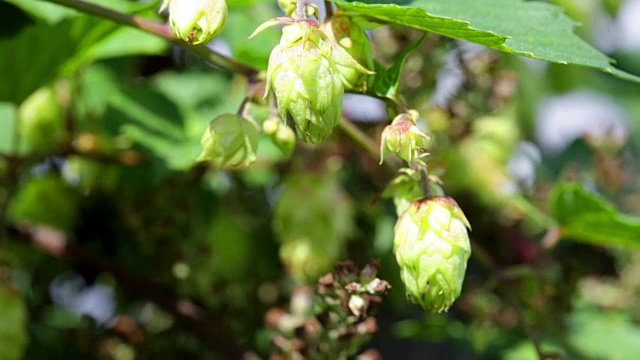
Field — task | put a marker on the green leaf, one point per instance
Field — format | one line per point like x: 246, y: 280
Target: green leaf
x: 168, y: 114
x: 13, y: 327
x: 45, y: 200
x: 8, y: 119
x: 598, y: 332
x: 533, y: 29
x: 240, y: 24
x: 584, y: 216
x: 385, y: 82
x: 40, y: 53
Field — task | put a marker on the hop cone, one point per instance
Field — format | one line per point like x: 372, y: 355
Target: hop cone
x: 306, y: 83
x: 432, y: 248
x: 404, y: 139
x: 196, y: 21
x: 230, y: 141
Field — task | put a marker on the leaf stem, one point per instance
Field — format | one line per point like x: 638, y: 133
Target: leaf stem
x: 161, y: 30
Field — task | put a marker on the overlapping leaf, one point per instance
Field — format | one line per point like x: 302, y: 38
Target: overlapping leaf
x: 532, y: 29
x: 584, y: 216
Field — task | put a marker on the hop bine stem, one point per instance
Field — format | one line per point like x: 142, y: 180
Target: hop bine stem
x: 301, y: 9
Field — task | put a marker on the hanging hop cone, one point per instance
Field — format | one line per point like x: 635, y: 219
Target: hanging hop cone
x: 354, y: 57
x: 432, y: 247
x: 305, y: 80
x: 230, y: 141
x: 196, y: 21
x: 404, y: 139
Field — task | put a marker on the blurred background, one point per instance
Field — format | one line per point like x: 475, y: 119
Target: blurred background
x: 115, y: 244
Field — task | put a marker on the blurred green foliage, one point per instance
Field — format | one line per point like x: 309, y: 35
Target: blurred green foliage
x: 100, y: 128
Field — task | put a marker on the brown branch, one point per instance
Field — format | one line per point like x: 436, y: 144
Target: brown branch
x: 161, y: 30
x: 188, y: 313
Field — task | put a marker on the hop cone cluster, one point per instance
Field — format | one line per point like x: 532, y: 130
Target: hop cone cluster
x: 196, y: 21
x: 432, y: 247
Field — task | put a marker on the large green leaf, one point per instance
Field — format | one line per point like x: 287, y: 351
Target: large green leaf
x: 584, y: 216
x: 48, y: 50
x: 532, y: 29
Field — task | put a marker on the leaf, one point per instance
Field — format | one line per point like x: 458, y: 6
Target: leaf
x: 8, y: 116
x: 597, y: 332
x: 584, y: 216
x: 45, y: 200
x: 13, y: 327
x: 168, y: 114
x: 41, y: 52
x: 533, y: 29
x: 385, y: 82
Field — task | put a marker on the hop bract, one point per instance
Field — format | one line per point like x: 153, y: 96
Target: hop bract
x: 196, y: 21
x: 305, y: 80
x: 354, y: 57
x: 432, y: 247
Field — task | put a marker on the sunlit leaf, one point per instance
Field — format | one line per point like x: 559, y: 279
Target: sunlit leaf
x: 533, y: 29
x: 584, y: 216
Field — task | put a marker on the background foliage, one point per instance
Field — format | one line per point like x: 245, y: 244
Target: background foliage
x: 115, y: 244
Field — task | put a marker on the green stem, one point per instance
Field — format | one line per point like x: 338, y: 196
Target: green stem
x: 360, y: 138
x: 301, y: 9
x: 365, y: 142
x: 161, y: 30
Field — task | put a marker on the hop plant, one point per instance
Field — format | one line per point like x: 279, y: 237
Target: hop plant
x: 432, y: 247
x: 196, y: 21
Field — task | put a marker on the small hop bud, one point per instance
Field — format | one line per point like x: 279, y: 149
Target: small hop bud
x: 305, y: 80
x: 404, y: 139
x: 196, y: 21
x: 230, y: 141
x: 432, y: 247
x: 271, y: 125
x: 285, y: 139
x: 281, y: 135
x: 353, y: 54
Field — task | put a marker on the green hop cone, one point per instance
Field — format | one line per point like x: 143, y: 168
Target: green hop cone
x: 404, y: 139
x: 432, y: 247
x: 230, y: 141
x: 196, y: 21
x: 306, y: 83
x: 353, y: 54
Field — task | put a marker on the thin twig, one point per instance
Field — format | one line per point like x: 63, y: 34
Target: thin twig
x: 161, y: 30
x: 56, y: 243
